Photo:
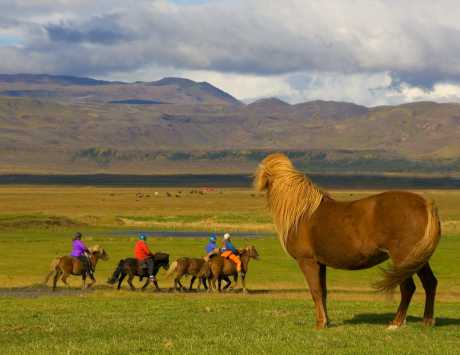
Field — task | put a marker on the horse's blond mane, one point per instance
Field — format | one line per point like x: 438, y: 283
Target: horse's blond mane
x: 290, y: 194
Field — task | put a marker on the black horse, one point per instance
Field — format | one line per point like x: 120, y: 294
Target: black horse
x: 131, y: 267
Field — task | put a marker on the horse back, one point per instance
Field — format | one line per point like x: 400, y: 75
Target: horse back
x: 221, y: 266
x: 189, y: 266
x: 70, y: 265
x: 360, y: 233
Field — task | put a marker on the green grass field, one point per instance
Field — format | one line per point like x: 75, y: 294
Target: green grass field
x: 37, y: 223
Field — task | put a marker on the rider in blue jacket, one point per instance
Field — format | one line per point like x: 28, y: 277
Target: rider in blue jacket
x: 211, y: 246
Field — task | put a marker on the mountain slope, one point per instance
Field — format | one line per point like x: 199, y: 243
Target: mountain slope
x: 194, y: 127
x: 86, y: 90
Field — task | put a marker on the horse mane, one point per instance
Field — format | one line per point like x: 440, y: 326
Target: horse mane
x: 291, y: 195
x: 95, y: 248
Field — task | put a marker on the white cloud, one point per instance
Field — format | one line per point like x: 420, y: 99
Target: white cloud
x: 370, y: 52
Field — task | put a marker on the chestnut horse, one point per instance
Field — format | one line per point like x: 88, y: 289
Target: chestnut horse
x: 318, y: 231
x: 196, y: 267
x: 68, y: 265
x: 221, y: 268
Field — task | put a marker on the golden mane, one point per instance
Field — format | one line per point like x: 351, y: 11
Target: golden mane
x: 290, y: 194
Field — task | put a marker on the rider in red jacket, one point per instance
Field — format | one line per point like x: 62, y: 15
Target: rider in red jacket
x: 144, y: 256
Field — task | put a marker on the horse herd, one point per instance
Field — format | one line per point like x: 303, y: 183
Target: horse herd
x: 319, y: 232
x: 208, y: 272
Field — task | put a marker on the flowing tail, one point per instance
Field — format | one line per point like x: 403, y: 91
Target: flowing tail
x: 418, y: 256
x: 171, y: 269
x: 53, y: 269
x: 117, y: 273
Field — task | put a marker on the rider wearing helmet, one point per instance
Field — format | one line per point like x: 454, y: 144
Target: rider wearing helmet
x: 211, y: 247
x: 230, y: 252
x: 144, y: 256
x: 80, y: 251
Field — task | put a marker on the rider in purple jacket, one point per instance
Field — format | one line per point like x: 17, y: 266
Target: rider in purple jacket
x: 79, y: 250
x: 78, y: 247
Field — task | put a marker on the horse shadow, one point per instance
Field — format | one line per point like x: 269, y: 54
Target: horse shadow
x: 386, y: 318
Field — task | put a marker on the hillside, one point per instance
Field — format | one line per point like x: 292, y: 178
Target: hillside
x: 87, y: 90
x: 177, y: 125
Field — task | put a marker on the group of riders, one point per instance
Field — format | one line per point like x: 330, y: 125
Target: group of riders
x: 144, y: 255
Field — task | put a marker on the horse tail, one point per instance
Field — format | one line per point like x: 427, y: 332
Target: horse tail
x: 418, y: 256
x: 117, y: 273
x: 53, y: 269
x: 171, y: 269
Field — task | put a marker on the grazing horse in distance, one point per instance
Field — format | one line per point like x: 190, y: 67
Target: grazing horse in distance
x: 318, y: 231
x: 130, y: 267
x: 221, y: 268
x: 197, y: 267
x: 68, y: 265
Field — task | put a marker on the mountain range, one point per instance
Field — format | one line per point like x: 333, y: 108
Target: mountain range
x: 65, y: 124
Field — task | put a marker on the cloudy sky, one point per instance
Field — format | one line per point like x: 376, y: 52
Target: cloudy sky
x: 365, y: 51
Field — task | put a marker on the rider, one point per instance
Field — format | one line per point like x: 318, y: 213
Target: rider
x: 144, y: 256
x: 80, y: 251
x: 230, y: 252
x: 211, y: 247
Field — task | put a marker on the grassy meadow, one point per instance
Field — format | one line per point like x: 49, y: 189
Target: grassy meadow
x: 37, y: 223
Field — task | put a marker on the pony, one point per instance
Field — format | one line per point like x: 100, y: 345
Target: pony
x: 221, y: 268
x: 68, y: 265
x: 131, y: 267
x: 196, y: 267
x: 319, y: 232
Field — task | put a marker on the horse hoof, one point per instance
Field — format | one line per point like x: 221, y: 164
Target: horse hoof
x: 393, y: 327
x: 429, y: 322
x: 320, y: 326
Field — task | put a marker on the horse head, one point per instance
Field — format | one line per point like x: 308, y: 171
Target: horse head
x: 99, y: 253
x: 252, y: 252
x: 161, y: 259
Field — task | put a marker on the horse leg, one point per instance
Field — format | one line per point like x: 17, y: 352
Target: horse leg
x: 157, y: 288
x: 235, y: 279
x: 55, y: 279
x: 64, y: 278
x: 322, y: 276
x: 227, y: 282
x: 191, y: 282
x: 181, y: 287
x: 203, y: 280
x: 122, y: 277
x: 93, y: 281
x: 219, y: 283
x: 83, y: 280
x: 312, y: 274
x: 407, y: 289
x: 429, y: 283
x: 145, y: 284
x: 243, y: 282
x: 130, y: 282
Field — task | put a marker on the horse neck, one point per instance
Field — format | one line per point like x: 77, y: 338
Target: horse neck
x: 245, y: 259
x: 94, y: 259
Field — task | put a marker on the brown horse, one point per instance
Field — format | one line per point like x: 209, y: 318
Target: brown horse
x: 319, y: 231
x: 68, y: 265
x: 221, y: 268
x: 196, y: 267
x: 131, y: 267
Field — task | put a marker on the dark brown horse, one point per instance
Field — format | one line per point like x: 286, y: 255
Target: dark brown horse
x: 319, y: 231
x: 131, y: 267
x: 68, y: 265
x: 222, y: 268
x: 196, y: 267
